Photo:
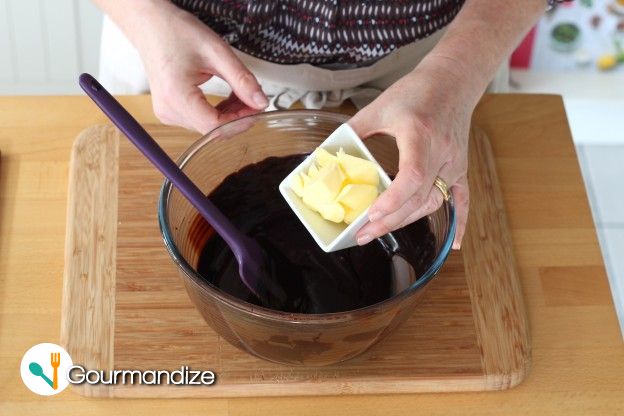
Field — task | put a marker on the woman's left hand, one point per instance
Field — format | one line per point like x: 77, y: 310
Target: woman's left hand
x: 429, y: 115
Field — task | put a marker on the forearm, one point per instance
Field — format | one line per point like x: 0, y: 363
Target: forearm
x: 134, y: 17
x: 481, y: 36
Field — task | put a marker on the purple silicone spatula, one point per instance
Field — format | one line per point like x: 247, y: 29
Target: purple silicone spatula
x: 252, y: 262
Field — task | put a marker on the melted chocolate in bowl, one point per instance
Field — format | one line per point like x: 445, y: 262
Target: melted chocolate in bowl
x: 315, y: 281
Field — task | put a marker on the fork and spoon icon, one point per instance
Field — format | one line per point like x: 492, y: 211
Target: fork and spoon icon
x: 55, y: 361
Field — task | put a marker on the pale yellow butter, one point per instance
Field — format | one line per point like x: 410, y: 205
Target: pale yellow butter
x: 339, y: 187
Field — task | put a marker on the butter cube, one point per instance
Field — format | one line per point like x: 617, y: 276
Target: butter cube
x: 296, y: 185
x: 358, y: 170
x: 313, y: 171
x: 350, y: 215
x: 357, y: 197
x: 332, y: 211
x: 339, y: 187
x: 323, y: 157
x: 325, y: 186
x: 305, y: 179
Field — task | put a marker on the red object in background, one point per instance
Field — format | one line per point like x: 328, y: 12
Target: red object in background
x: 521, y: 58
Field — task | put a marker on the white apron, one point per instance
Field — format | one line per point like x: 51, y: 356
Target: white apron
x: 121, y: 72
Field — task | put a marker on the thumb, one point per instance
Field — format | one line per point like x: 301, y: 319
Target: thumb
x: 461, y: 196
x: 364, y: 122
x: 198, y: 113
x: 242, y: 81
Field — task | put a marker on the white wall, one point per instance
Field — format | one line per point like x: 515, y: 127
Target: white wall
x: 46, y: 44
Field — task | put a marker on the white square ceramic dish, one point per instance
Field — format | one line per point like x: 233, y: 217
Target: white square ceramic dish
x: 328, y: 235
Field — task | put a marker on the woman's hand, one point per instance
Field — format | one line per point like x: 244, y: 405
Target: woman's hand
x: 429, y: 116
x: 428, y: 112
x: 180, y: 53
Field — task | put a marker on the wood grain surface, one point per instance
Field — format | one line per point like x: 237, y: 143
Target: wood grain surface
x: 469, y: 334
x: 577, y: 350
x: 91, y: 249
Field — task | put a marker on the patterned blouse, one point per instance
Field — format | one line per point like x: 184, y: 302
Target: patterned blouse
x: 328, y: 33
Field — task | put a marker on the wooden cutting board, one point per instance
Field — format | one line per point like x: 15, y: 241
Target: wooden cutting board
x: 125, y: 307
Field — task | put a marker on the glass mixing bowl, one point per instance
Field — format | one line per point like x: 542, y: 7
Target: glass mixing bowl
x: 288, y: 338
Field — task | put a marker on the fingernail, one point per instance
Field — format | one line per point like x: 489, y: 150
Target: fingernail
x: 260, y: 99
x: 456, y: 246
x: 364, y: 239
x: 374, y: 216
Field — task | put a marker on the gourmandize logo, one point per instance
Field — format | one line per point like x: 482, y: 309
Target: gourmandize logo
x: 55, y: 361
x: 48, y: 369
x: 44, y: 369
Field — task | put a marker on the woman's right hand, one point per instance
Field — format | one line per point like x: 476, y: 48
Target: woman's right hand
x: 180, y: 53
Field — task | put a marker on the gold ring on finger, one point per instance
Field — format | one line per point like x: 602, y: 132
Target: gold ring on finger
x: 443, y: 187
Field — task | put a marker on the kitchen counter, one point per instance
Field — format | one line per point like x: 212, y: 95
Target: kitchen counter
x: 577, y: 349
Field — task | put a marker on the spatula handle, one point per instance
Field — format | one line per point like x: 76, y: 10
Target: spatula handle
x: 148, y: 146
